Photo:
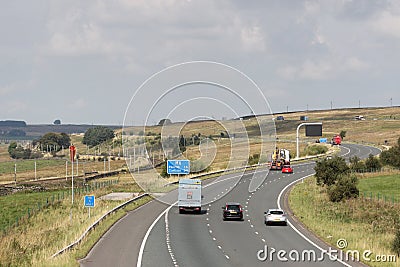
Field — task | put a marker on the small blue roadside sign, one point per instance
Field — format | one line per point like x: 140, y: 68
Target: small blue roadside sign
x: 89, y: 201
x: 178, y: 166
x: 323, y: 140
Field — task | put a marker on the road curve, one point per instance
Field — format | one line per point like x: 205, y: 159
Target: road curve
x: 205, y: 240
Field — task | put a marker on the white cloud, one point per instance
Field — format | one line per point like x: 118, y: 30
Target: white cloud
x: 355, y: 64
x: 288, y: 72
x: 79, y: 103
x: 322, y: 69
x: 4, y: 90
x: 312, y: 7
x: 315, y: 70
x: 318, y: 39
x: 13, y: 107
x: 83, y: 39
x: 79, y: 45
x: 308, y: 70
x: 253, y: 38
x: 388, y: 24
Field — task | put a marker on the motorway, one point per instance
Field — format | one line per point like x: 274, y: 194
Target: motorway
x: 157, y: 235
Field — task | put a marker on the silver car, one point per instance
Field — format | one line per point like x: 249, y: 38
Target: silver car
x: 275, y: 216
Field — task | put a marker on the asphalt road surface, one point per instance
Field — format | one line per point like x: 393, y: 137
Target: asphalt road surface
x: 157, y: 235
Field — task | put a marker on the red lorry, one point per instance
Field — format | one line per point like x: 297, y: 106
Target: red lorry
x: 336, y: 140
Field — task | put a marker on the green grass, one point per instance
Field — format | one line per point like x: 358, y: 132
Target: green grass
x: 16, y: 205
x: 365, y: 224
x: 70, y: 258
x: 34, y: 240
x: 29, y: 165
x: 84, y: 248
x: 388, y: 185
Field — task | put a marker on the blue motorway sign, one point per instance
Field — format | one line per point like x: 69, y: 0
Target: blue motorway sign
x: 89, y: 201
x: 178, y: 166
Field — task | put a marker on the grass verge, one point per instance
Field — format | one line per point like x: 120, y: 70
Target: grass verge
x: 365, y: 224
x: 34, y: 240
x: 70, y: 258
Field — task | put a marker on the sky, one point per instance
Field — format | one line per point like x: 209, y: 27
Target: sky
x: 94, y: 62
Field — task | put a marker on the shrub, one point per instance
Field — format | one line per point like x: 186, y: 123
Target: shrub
x: 164, y: 169
x: 372, y: 163
x: 396, y: 243
x: 254, y: 159
x: 327, y: 171
x: 56, y: 141
x: 345, y: 188
x: 316, y: 150
x: 356, y: 164
x: 342, y: 134
x: 97, y: 135
x: 391, y: 156
x: 18, y: 152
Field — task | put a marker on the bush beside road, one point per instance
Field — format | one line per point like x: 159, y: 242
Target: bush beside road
x: 366, y: 224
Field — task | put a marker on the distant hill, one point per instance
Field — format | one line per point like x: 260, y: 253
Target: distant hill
x: 33, y: 131
x: 11, y: 123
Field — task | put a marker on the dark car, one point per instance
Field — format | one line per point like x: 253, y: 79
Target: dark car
x: 232, y: 210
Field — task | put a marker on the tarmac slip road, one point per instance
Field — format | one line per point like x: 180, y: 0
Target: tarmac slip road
x: 168, y: 238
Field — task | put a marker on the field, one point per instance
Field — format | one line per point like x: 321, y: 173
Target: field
x: 366, y: 224
x: 380, y: 127
x: 380, y: 124
x: 388, y: 186
x: 17, y: 205
x: 35, y: 239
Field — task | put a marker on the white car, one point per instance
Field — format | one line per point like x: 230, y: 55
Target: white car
x: 275, y: 216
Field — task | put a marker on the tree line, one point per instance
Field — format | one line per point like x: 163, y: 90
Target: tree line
x: 54, y: 142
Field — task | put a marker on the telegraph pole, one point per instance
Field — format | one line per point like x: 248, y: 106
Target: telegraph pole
x: 72, y: 151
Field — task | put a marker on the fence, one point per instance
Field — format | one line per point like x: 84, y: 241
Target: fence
x: 57, y: 198
x: 25, y: 170
x: 383, y: 170
x: 380, y: 198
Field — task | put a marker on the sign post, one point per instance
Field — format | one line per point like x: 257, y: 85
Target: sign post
x: 15, y: 173
x: 89, y: 202
x: 72, y: 151
x: 314, y: 130
x: 178, y: 166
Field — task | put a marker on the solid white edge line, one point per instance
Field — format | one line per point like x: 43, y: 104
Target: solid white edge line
x: 167, y: 235
x: 143, y: 244
x: 297, y: 231
x: 146, y: 236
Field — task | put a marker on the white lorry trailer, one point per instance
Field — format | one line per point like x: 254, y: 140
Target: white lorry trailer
x: 189, y: 195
